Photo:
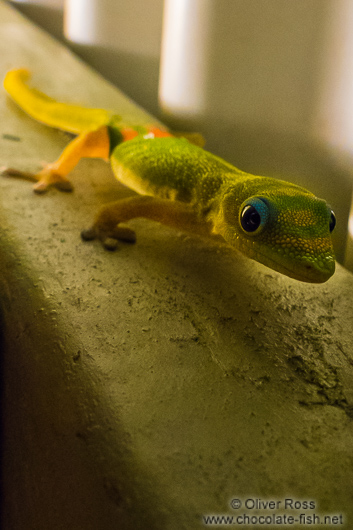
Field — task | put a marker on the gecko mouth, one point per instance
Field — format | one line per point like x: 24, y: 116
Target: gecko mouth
x: 306, y: 271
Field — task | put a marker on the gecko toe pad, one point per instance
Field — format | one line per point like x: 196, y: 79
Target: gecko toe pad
x: 110, y: 239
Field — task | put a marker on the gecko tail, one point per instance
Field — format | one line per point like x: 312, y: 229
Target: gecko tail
x: 70, y: 118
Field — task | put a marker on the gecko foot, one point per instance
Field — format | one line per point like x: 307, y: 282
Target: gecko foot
x: 62, y: 185
x: 110, y: 239
x: 43, y: 180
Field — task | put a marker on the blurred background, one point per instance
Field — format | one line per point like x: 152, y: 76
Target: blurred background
x: 269, y: 83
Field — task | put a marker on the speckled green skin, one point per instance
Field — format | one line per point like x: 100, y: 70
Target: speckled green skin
x: 296, y: 240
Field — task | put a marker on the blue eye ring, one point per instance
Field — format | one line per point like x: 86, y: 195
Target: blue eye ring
x: 254, y: 215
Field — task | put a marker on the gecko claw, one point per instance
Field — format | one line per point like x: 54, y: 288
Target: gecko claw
x: 89, y: 234
x: 110, y: 243
x: 40, y: 187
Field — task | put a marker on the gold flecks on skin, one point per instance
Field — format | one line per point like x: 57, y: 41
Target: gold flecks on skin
x: 299, y: 218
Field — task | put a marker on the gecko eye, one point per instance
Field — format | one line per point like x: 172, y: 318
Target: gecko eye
x: 250, y: 218
x: 254, y: 214
x: 332, y: 221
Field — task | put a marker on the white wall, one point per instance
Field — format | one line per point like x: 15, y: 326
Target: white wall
x: 122, y: 40
x: 46, y: 13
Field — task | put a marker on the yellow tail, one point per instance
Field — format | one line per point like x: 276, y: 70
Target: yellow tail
x: 71, y: 118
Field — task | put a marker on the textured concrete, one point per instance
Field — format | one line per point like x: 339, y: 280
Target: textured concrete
x: 146, y: 387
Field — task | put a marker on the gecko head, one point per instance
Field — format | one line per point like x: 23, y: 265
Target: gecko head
x: 284, y: 227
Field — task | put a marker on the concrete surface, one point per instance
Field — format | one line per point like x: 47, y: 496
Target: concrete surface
x: 148, y: 387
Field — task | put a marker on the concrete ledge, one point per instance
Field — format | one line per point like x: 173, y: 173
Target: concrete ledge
x: 145, y: 388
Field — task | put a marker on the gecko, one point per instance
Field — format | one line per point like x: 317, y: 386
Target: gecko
x: 180, y: 184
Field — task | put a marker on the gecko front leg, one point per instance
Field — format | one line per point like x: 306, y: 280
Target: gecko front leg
x: 107, y: 226
x: 91, y: 144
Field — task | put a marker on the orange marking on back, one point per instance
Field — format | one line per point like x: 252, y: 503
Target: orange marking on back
x: 128, y: 134
x: 159, y: 133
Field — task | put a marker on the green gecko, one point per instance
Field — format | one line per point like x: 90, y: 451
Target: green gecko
x: 281, y: 225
